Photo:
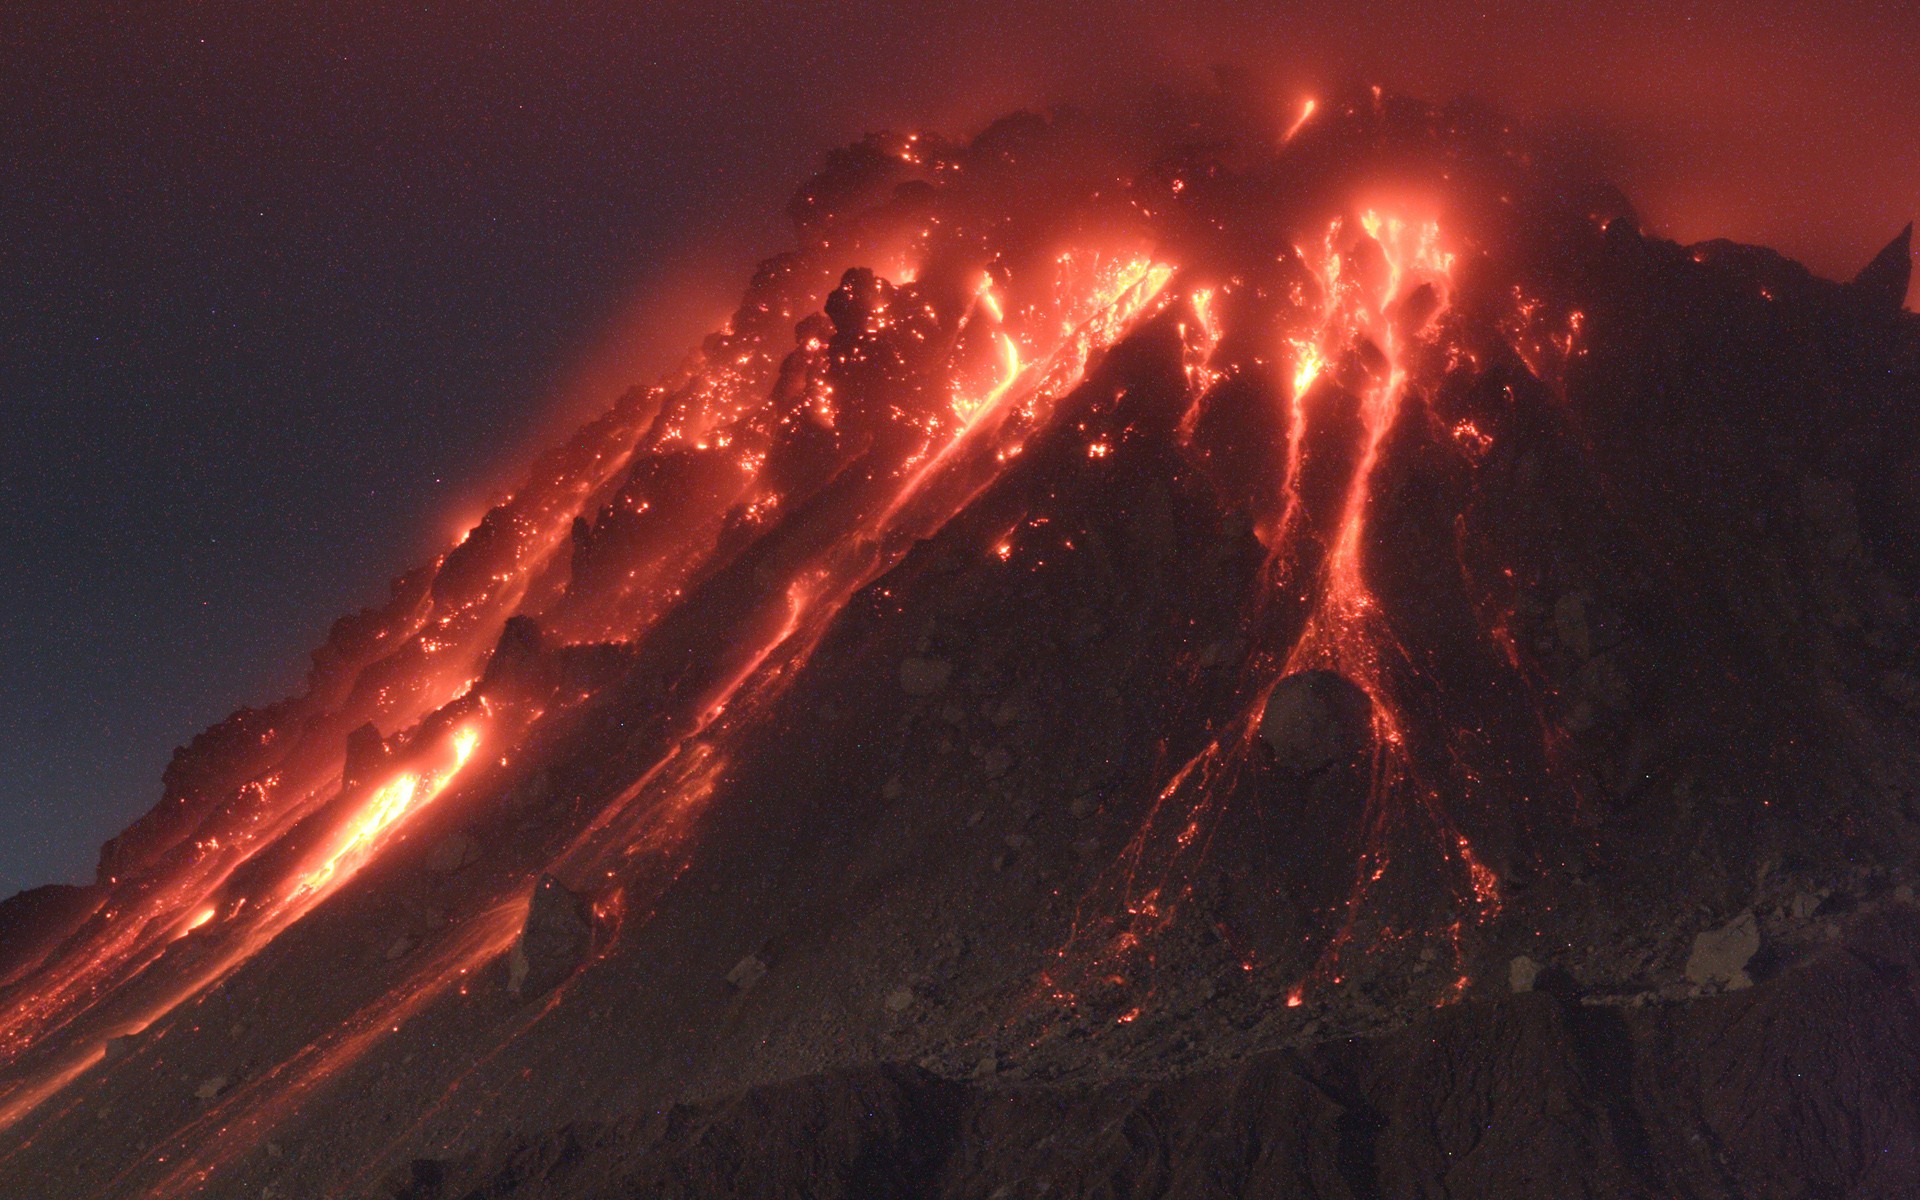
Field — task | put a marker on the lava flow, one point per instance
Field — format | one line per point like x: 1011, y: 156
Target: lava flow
x: 1120, y: 543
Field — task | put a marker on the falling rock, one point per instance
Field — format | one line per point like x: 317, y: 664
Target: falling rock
x: 401, y: 947
x: 453, y: 852
x: 899, y: 1000
x: 1720, y: 956
x: 1315, y: 719
x: 1521, y: 974
x: 924, y: 676
x: 554, y: 942
x: 747, y: 972
x: 210, y: 1088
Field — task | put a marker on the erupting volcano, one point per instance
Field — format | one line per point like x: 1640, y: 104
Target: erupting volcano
x: 1283, y: 651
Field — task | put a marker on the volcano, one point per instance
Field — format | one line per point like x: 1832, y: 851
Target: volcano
x: 1221, y: 653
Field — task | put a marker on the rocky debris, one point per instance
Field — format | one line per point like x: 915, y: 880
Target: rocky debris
x: 211, y: 1088
x: 900, y: 1000
x: 747, y: 972
x: 554, y: 942
x: 1522, y: 973
x: 924, y: 676
x: 1316, y: 719
x: 453, y: 852
x: 1720, y: 956
x: 1801, y: 1086
x: 400, y: 947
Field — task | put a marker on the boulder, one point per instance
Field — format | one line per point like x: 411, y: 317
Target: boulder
x: 453, y: 852
x: 517, y: 656
x: 554, y: 943
x: 1720, y: 956
x: 1315, y: 720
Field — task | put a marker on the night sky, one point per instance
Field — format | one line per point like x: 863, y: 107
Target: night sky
x: 287, y: 289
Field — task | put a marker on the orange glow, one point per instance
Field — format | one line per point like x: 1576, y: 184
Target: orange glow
x: 394, y: 801
x: 1306, y: 111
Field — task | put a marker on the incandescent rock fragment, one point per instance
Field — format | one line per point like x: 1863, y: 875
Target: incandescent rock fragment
x: 554, y: 942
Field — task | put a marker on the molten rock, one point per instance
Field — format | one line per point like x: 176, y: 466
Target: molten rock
x: 555, y: 941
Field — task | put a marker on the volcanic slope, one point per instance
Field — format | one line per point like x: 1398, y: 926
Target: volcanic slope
x: 1193, y: 654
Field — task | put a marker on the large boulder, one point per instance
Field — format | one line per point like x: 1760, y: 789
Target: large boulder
x: 1315, y: 720
x: 1720, y: 956
x: 554, y: 943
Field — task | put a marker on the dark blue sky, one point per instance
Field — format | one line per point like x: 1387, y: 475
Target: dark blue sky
x: 285, y: 288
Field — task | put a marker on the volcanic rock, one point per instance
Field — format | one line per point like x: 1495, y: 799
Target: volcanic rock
x: 32, y: 922
x: 747, y: 972
x: 1720, y: 956
x: 453, y: 852
x: 1883, y: 282
x: 366, y: 756
x: 1316, y: 719
x: 1521, y: 974
x: 516, y: 656
x: 1523, y: 1098
x: 1619, y: 547
x: 553, y: 943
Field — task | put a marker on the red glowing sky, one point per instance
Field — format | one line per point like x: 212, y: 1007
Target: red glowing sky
x: 1789, y: 124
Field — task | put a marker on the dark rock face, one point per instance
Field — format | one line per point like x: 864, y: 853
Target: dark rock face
x: 34, y: 921
x: 1884, y: 280
x: 1800, y: 1087
x: 366, y: 755
x: 554, y: 942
